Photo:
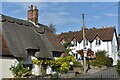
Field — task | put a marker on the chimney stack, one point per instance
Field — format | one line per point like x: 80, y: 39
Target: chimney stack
x: 33, y: 14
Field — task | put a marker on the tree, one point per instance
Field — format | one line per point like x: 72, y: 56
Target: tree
x: 52, y: 27
x: 67, y: 44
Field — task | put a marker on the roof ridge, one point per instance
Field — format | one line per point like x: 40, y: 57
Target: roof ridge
x: 111, y: 27
x: 5, y: 18
x: 103, y: 33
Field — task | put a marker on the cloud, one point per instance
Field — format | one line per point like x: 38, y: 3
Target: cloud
x: 97, y: 17
x: 50, y: 12
x: 111, y: 15
x: 25, y: 5
x: 93, y: 18
x: 61, y: 8
x: 43, y: 7
x: 62, y: 13
x: 48, y: 18
x: 15, y: 11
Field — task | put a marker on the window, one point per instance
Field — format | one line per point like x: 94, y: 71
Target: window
x: 98, y: 42
x: 86, y: 42
x: 62, y: 41
x: 75, y: 43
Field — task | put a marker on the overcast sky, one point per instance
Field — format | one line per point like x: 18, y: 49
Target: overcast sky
x: 66, y: 16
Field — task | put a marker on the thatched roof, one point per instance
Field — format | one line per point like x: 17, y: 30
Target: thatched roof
x: 51, y: 41
x: 19, y: 36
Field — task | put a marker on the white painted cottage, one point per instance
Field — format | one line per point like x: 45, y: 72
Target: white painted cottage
x: 25, y: 40
x: 95, y: 39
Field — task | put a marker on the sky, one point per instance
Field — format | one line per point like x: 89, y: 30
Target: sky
x: 67, y: 16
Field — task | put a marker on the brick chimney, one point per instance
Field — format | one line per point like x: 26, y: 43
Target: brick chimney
x: 33, y: 14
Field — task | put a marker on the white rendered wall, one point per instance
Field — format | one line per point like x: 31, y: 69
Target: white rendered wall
x: 103, y: 46
x: 5, y: 64
x: 114, y: 51
x: 81, y: 45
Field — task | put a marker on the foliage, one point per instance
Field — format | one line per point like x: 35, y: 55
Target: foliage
x: 109, y: 62
x: 36, y: 61
x: 58, y: 65
x: 81, y: 53
x: 67, y: 44
x: 19, y: 70
x: 77, y: 64
x: 90, y: 53
x: 61, y: 64
x: 52, y: 27
x: 67, y: 51
x: 101, y: 59
x: 118, y: 67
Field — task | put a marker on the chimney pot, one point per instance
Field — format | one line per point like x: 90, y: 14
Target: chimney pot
x: 35, y: 7
x: 31, y: 7
x: 33, y: 14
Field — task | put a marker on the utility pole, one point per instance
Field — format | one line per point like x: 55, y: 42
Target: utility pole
x: 83, y: 30
x: 84, y: 46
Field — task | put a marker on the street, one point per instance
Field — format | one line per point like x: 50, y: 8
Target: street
x: 107, y: 73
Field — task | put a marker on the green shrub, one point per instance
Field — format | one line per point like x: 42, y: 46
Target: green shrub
x: 67, y: 44
x: 77, y: 64
x: 19, y: 71
x: 101, y: 59
x: 118, y: 67
x: 109, y: 62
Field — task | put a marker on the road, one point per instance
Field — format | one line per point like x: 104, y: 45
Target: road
x: 107, y: 73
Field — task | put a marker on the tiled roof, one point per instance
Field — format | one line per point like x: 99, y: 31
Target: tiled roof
x: 106, y: 34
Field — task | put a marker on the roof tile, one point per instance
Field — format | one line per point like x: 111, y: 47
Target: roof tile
x: 105, y: 34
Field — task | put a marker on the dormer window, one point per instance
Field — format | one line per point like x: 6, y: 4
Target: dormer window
x: 98, y: 42
x: 62, y: 41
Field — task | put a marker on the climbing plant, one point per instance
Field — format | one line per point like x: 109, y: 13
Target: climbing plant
x: 59, y: 65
